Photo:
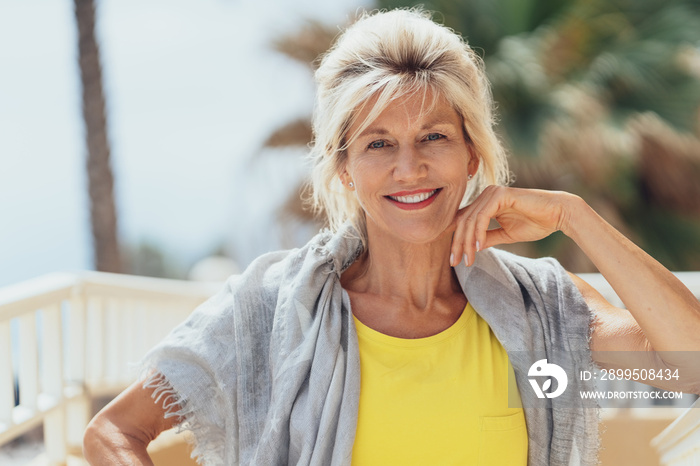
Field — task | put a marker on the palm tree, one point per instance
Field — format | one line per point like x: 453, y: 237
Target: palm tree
x: 103, y: 214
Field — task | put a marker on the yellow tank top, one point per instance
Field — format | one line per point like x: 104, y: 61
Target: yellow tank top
x: 437, y: 400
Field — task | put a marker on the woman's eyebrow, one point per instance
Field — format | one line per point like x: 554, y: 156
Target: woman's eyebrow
x: 371, y: 130
x: 439, y: 121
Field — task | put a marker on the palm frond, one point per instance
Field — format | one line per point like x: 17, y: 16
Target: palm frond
x: 669, y: 166
x: 295, y: 133
x: 306, y: 44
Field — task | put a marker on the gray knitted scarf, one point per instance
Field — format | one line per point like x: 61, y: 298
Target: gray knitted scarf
x: 267, y: 372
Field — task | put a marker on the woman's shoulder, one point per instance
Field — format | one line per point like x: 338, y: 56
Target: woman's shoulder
x: 497, y: 269
x: 325, y: 253
x: 509, y: 257
x: 499, y: 262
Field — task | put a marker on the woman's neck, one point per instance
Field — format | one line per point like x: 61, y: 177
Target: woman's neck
x: 416, y: 274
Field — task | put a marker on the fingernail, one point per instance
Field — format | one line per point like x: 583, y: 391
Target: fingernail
x: 452, y: 259
x: 478, y: 247
x: 466, y: 259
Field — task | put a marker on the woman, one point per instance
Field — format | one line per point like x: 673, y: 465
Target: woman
x: 391, y: 338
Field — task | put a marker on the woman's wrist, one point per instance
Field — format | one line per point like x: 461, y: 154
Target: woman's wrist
x: 574, y: 213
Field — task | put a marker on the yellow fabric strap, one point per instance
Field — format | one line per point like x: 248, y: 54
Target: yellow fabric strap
x: 437, y: 400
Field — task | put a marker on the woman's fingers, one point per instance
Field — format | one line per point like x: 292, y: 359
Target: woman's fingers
x: 522, y: 214
x: 471, y: 225
x: 458, y: 238
x: 483, y: 220
x: 495, y: 237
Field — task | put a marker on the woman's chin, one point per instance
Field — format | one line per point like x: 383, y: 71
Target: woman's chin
x: 412, y: 234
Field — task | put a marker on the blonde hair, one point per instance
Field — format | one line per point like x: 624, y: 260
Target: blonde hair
x: 387, y: 55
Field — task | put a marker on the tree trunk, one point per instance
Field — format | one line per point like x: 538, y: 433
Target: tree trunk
x: 103, y: 216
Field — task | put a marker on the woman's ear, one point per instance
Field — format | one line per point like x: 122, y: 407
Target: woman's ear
x: 474, y: 160
x: 346, y: 179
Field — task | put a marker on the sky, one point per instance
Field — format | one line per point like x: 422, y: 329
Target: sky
x: 193, y: 88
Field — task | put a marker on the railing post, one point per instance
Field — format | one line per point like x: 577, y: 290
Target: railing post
x: 78, y: 409
x: 94, y: 341
x: 7, y: 377
x: 76, y: 337
x: 28, y: 364
x: 52, y: 384
x: 55, y: 437
x: 52, y: 353
x: 131, y: 354
x: 112, y: 338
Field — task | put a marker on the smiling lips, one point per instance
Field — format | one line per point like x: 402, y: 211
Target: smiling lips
x: 413, y: 200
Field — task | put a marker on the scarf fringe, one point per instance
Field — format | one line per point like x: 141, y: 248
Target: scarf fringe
x: 205, y: 443
x: 599, y: 414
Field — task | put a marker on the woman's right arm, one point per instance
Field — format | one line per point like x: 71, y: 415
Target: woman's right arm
x: 120, y: 433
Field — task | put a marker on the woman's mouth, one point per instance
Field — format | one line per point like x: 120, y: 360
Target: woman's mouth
x: 414, y: 200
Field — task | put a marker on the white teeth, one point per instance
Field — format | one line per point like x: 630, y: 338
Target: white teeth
x: 413, y: 199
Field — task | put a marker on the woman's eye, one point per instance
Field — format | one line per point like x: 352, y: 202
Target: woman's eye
x: 434, y: 136
x: 376, y: 145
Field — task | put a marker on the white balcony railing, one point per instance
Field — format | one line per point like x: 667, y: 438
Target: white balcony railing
x: 68, y: 338
x: 679, y: 443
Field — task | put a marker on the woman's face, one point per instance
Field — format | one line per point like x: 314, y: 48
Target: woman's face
x: 409, y: 168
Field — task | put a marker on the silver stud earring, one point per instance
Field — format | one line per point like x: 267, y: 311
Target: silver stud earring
x: 351, y: 185
x: 470, y: 176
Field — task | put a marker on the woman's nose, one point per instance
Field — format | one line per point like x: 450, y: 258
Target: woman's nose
x: 409, y: 164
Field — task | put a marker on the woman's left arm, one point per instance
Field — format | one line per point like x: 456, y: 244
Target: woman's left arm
x: 665, y: 315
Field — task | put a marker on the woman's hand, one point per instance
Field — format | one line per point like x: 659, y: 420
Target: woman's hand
x: 665, y: 315
x: 523, y: 215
